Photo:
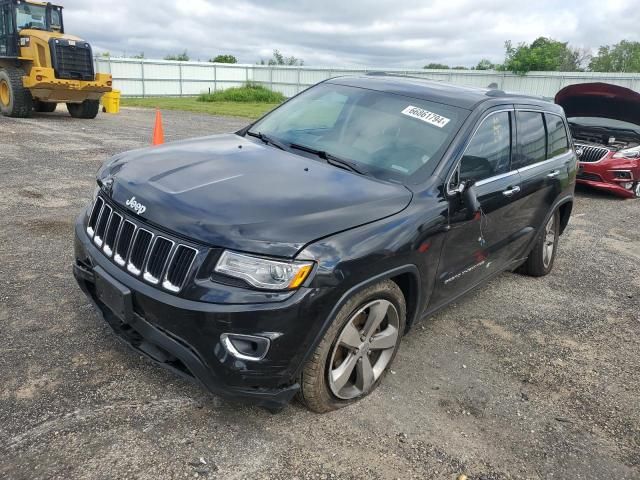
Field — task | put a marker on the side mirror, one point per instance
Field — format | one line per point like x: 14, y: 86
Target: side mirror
x: 470, y: 198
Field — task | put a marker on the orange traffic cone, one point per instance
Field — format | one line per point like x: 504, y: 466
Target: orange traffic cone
x: 158, y: 132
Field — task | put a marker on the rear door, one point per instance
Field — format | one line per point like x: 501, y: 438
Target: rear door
x: 478, y: 245
x: 542, y: 158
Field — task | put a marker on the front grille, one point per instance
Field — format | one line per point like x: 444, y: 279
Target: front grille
x: 591, y: 153
x: 589, y: 176
x: 72, y: 60
x: 159, y: 260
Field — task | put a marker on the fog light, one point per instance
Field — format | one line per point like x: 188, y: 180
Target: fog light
x: 628, y: 185
x: 245, y: 347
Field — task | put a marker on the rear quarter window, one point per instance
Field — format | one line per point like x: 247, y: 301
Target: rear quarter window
x: 558, y: 142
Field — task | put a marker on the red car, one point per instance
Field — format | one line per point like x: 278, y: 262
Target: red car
x: 605, y: 124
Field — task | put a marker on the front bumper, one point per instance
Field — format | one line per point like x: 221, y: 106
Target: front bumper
x: 46, y: 87
x: 602, y: 175
x: 184, y: 335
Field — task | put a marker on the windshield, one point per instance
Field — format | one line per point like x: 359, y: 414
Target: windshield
x: 29, y: 15
x: 389, y: 136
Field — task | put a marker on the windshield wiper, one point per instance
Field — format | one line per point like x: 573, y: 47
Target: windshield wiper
x: 330, y: 159
x: 268, y: 140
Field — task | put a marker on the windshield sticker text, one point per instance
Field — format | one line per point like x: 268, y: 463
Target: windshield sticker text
x: 426, y: 116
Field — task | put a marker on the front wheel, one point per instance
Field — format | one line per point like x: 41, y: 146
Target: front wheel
x: 86, y: 109
x: 540, y: 260
x: 357, y: 349
x: 15, y: 100
x: 636, y: 190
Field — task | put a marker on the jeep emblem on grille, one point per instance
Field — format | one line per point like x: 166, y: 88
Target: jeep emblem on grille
x: 136, y: 206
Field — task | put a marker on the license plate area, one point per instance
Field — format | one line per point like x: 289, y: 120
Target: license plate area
x: 113, y: 294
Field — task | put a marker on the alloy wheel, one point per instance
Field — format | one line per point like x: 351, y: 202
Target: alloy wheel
x: 549, y: 242
x: 637, y: 190
x: 363, y: 349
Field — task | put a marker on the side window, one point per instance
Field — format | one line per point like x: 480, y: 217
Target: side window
x: 489, y: 152
x: 557, y: 141
x: 532, y: 139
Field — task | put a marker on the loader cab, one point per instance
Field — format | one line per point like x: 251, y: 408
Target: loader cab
x: 8, y: 32
x: 17, y: 15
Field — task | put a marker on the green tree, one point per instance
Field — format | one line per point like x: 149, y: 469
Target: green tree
x: 485, y: 64
x: 621, y: 57
x: 139, y: 56
x: 105, y: 54
x: 226, y: 58
x: 544, y: 54
x: 279, y: 59
x: 180, y: 57
x: 436, y: 66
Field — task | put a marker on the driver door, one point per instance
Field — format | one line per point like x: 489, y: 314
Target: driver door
x: 477, y: 243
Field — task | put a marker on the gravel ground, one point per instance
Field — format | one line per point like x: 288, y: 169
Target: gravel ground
x: 524, y: 378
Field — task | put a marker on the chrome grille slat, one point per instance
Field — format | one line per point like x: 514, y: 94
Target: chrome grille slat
x: 139, y: 249
x: 179, y: 267
x: 101, y: 226
x: 112, y: 233
x: 592, y: 153
x: 161, y: 261
x: 123, y: 243
x: 157, y: 261
x: 95, y: 215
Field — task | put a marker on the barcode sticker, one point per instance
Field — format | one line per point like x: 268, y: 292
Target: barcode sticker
x: 426, y: 116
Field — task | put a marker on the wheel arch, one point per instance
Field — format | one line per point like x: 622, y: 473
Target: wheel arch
x: 407, y: 277
x: 564, y: 208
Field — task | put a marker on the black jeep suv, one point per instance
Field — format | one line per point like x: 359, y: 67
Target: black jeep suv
x: 292, y: 256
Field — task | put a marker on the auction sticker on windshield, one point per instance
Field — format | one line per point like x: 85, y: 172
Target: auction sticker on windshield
x: 426, y: 116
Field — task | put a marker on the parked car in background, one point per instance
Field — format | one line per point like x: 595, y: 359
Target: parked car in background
x: 605, y: 125
x: 292, y: 256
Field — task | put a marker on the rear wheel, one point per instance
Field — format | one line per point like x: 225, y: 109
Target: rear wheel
x: 540, y: 260
x: 45, y: 107
x: 15, y: 100
x: 86, y: 109
x: 356, y: 350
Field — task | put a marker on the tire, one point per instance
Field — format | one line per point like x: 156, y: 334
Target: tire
x: 15, y: 100
x: 86, y: 109
x: 540, y: 260
x: 636, y: 190
x: 322, y: 388
x: 45, y: 107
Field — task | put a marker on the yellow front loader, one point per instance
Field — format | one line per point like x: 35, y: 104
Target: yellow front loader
x: 41, y: 66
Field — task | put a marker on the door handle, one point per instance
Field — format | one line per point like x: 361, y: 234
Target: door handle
x: 553, y: 174
x: 511, y: 191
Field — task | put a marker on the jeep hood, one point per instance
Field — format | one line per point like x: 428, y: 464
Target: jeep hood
x: 232, y: 192
x: 600, y: 100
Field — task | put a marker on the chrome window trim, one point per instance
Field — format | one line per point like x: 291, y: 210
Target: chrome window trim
x: 539, y: 164
x: 146, y: 275
x: 451, y: 191
x: 131, y: 268
x: 487, y: 180
x: 166, y: 283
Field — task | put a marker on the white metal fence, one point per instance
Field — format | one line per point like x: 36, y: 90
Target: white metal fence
x: 145, y: 77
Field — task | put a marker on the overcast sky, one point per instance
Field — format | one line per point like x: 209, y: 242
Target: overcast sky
x: 398, y: 33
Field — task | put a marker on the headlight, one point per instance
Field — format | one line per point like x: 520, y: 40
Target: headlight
x: 263, y: 272
x: 633, y: 152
